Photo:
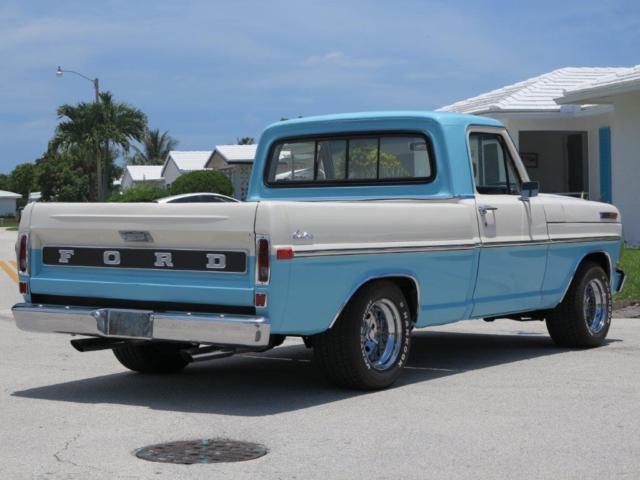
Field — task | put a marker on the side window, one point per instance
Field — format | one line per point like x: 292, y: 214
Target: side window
x: 493, y: 169
x: 362, y: 159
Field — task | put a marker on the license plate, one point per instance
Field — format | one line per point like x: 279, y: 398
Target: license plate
x: 124, y: 323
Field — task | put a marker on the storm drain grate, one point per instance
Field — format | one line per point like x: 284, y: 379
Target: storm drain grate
x: 202, y: 451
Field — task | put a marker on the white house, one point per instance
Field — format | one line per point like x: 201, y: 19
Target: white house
x: 142, y: 174
x: 181, y: 162
x: 8, y: 203
x: 236, y: 162
x: 578, y: 132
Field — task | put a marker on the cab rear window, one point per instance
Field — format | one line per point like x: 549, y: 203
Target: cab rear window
x: 348, y: 160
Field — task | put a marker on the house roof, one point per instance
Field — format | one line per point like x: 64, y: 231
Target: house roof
x: 142, y: 173
x: 5, y: 194
x: 236, y: 153
x: 622, y: 81
x: 536, y: 94
x: 189, y: 160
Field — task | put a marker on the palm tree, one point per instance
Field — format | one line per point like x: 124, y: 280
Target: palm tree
x: 245, y: 141
x: 105, y: 128
x: 155, y: 148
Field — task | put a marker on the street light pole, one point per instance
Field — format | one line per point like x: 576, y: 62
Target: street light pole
x: 94, y: 81
x: 96, y: 88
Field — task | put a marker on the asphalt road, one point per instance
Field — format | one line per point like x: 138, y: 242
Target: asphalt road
x: 477, y: 401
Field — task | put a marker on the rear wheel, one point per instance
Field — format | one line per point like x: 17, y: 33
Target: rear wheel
x: 368, y: 346
x: 152, y: 357
x: 583, y: 318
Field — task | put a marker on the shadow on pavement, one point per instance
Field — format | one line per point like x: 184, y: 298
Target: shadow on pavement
x: 285, y: 379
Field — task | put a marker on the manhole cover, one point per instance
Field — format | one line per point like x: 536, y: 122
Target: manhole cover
x: 202, y: 451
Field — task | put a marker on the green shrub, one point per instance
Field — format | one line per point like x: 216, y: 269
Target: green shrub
x: 139, y: 193
x: 202, y: 181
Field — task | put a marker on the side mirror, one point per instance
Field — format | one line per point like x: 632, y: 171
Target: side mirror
x: 529, y: 189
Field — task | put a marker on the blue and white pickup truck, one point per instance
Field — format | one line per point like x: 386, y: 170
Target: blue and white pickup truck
x: 357, y: 229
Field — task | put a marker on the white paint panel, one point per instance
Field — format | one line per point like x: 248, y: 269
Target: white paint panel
x: 369, y: 224
x: 195, y: 225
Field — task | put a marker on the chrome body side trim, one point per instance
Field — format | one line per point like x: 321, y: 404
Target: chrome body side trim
x: 377, y: 277
x: 379, y: 250
x: 299, y: 253
x: 209, y: 328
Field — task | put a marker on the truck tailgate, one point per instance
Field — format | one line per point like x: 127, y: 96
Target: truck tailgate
x: 169, y: 253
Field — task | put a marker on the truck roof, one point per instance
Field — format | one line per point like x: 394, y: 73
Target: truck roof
x: 444, y: 118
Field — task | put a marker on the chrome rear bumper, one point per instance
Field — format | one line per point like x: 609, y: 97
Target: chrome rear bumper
x: 216, y: 329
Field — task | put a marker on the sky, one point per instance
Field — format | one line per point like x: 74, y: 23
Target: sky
x: 212, y: 71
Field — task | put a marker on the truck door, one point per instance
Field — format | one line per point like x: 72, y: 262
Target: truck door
x: 513, y: 231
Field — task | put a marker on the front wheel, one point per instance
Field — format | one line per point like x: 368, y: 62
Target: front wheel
x: 368, y: 346
x: 583, y: 318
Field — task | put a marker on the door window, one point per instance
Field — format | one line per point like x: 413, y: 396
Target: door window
x: 493, y: 169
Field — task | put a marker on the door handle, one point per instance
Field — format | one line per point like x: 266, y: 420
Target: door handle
x: 483, y: 209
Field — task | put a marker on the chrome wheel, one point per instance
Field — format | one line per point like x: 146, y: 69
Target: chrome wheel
x: 596, y: 305
x: 381, y: 334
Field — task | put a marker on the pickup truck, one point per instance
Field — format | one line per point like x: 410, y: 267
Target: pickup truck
x: 357, y: 229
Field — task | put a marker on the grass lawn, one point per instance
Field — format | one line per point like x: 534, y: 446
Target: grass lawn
x: 10, y: 224
x: 630, y: 263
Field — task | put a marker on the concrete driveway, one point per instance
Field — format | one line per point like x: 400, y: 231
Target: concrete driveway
x: 478, y: 401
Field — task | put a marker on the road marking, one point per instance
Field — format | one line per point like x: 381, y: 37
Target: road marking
x: 10, y: 271
x: 13, y: 262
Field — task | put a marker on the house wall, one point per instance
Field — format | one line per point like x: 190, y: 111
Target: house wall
x: 7, y: 206
x: 127, y: 181
x: 587, y: 123
x: 240, y: 180
x: 625, y: 165
x: 171, y: 172
x: 216, y: 162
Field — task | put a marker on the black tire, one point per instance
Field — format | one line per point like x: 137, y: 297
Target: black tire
x: 152, y: 357
x: 341, y: 352
x: 568, y: 324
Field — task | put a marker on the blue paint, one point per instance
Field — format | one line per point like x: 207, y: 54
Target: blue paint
x: 319, y: 286
x: 606, y: 189
x: 451, y: 154
x: 509, y: 279
x: 562, y: 262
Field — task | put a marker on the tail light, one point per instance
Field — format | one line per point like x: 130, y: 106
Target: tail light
x: 23, y: 254
x: 263, y: 265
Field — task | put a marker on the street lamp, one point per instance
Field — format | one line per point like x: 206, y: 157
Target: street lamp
x: 99, y: 172
x: 96, y: 85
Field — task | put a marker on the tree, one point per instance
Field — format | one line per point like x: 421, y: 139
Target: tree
x: 154, y: 149
x: 246, y: 141
x: 22, y: 179
x: 202, y: 181
x: 65, y: 176
x: 4, y: 182
x: 139, y: 193
x: 104, y: 128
